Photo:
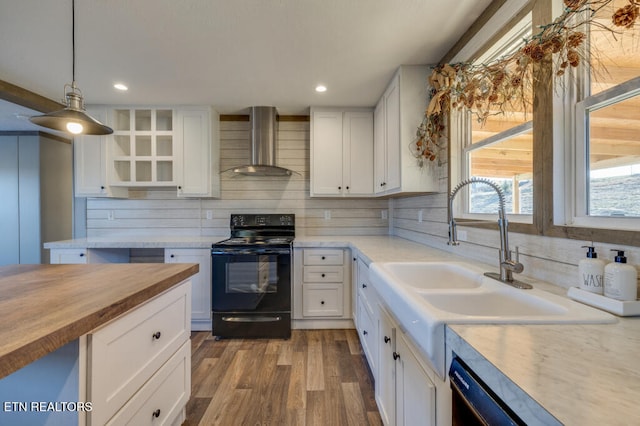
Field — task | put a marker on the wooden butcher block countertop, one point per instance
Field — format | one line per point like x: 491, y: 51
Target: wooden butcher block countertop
x: 43, y: 307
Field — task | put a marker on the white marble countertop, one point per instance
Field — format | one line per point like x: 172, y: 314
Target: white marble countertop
x: 582, y: 374
x: 136, y: 242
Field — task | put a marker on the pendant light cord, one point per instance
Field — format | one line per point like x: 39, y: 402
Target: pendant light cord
x: 73, y: 42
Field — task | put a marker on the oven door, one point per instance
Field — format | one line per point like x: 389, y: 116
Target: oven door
x: 251, y: 280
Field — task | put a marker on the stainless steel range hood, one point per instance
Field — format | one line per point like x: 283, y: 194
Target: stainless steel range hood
x: 263, y: 145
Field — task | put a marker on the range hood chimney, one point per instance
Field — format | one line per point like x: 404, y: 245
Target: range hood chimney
x: 263, y: 145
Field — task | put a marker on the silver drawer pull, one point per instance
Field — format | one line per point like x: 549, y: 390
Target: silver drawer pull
x: 156, y: 335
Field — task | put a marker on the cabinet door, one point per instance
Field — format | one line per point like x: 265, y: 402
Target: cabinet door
x: 415, y: 393
x: 386, y: 381
x: 358, y: 153
x: 367, y: 329
x: 200, y: 283
x: 326, y: 153
x: 392, y: 133
x: 90, y: 158
x: 193, y: 136
x: 379, y: 147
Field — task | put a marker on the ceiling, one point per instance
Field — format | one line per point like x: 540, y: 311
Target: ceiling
x: 229, y: 54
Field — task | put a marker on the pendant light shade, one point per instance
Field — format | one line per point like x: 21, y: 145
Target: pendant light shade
x: 72, y: 118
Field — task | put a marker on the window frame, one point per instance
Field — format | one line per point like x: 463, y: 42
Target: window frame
x: 580, y: 168
x: 460, y: 123
x: 554, y: 183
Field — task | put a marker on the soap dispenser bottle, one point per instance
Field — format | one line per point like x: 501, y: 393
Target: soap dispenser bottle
x: 620, y: 279
x: 591, y: 271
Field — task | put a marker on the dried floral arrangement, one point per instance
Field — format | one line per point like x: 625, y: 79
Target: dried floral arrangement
x: 492, y: 88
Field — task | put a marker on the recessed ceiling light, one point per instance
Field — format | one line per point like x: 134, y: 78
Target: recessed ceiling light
x: 320, y: 88
x: 121, y: 87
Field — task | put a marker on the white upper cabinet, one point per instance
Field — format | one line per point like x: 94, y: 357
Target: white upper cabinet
x: 341, y: 152
x: 398, y: 114
x: 197, y: 136
x: 150, y: 147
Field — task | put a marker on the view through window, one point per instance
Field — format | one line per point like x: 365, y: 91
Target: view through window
x: 501, y: 148
x: 612, y: 120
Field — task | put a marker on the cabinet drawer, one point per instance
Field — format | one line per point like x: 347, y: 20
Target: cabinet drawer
x: 323, y: 274
x: 323, y: 257
x: 68, y: 256
x: 322, y: 300
x: 125, y: 353
x: 161, y: 399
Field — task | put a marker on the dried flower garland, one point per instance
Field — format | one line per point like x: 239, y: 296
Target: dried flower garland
x: 494, y: 88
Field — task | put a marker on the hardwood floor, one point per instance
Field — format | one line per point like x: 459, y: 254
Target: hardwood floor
x: 318, y: 377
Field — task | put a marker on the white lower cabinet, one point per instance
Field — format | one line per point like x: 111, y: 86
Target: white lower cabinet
x: 138, y: 365
x: 404, y: 384
x: 405, y: 393
x: 321, y: 290
x: 200, y: 284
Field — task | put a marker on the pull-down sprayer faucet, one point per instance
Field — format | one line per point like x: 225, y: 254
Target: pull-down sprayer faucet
x: 506, y: 264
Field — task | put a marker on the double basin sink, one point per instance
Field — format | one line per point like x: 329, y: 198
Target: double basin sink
x: 425, y: 296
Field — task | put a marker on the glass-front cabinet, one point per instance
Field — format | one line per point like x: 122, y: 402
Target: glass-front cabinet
x: 143, y: 147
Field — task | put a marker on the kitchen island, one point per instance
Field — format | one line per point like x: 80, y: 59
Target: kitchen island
x: 52, y: 313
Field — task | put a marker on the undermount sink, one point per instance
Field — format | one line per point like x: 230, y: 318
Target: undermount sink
x: 425, y: 296
x: 434, y: 275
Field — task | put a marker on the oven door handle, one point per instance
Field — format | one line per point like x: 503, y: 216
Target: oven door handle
x: 255, y: 318
x: 251, y: 251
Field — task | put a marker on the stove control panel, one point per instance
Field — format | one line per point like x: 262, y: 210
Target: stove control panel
x: 262, y: 220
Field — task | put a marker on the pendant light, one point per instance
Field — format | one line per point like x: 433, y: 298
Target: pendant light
x: 72, y: 118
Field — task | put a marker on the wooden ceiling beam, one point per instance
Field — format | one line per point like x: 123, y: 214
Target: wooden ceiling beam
x: 26, y: 98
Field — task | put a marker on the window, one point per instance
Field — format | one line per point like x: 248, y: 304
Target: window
x: 607, y: 131
x: 501, y: 147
